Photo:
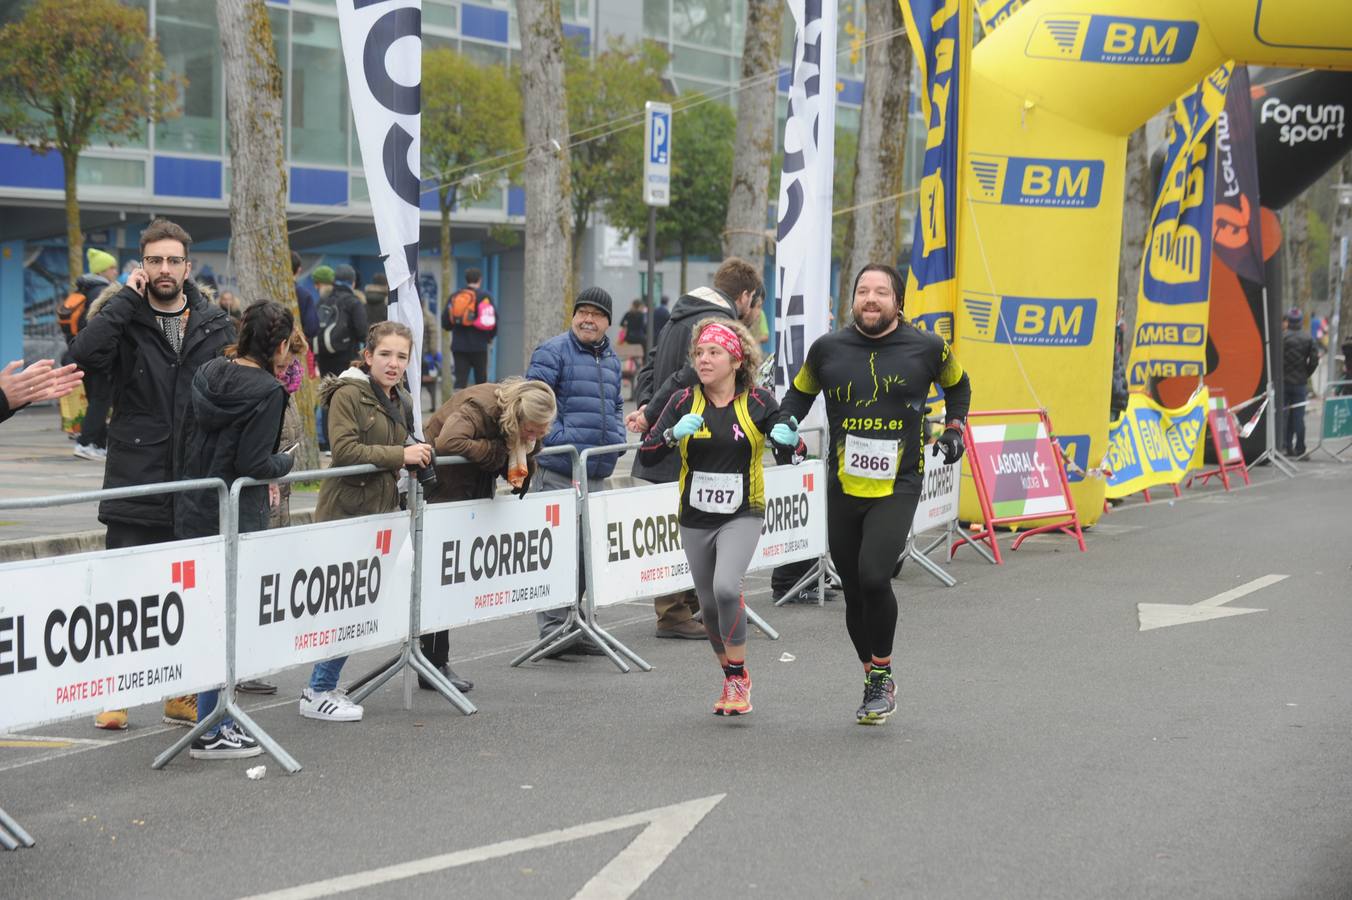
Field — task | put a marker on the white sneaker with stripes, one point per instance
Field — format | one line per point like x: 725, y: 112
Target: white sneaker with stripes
x: 328, y: 706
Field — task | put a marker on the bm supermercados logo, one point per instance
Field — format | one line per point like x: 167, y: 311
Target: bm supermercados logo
x: 1118, y: 40
x: 1036, y: 181
x: 1029, y: 321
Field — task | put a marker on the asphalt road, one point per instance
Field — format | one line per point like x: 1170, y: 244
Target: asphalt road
x: 1045, y: 747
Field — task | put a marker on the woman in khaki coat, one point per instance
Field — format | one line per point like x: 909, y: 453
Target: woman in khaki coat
x: 370, y: 416
x: 498, y: 428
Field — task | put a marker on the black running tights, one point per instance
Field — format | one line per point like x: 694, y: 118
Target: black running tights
x: 866, y: 536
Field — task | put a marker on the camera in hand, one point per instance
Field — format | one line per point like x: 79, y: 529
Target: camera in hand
x: 427, y: 475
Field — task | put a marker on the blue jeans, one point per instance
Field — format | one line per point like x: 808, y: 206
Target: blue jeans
x: 325, y: 674
x: 206, y: 702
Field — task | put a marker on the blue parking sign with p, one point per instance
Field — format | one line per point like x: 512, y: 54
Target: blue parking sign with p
x: 660, y: 141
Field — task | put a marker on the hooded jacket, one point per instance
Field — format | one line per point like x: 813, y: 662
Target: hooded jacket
x: 361, y: 431
x: 467, y: 425
x: 231, y: 429
x: 671, y: 357
x: 151, y: 388
x: 585, y: 379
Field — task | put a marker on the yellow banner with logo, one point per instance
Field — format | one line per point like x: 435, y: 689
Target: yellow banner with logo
x: 1175, y: 289
x: 941, y: 36
x: 1055, y: 89
x: 1151, y: 445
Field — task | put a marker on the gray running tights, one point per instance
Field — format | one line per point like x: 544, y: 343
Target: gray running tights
x: 719, y: 558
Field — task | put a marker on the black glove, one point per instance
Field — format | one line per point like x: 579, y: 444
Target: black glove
x: 951, y: 443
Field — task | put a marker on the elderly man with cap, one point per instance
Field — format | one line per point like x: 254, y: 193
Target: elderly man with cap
x: 584, y: 372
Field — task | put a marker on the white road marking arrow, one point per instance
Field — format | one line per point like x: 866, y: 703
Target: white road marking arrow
x: 1162, y: 615
x: 618, y: 879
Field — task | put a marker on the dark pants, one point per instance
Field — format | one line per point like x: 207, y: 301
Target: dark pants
x: 99, y: 391
x: 478, y: 361
x: 437, y: 648
x: 866, y: 537
x: 125, y: 534
x: 1295, y: 420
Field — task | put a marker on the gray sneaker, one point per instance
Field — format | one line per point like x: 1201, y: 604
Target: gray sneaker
x: 880, y: 699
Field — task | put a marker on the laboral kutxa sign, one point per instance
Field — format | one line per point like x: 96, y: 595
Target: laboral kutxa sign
x: 1019, y: 467
x: 108, y: 630
x: 486, y: 559
x: 313, y: 592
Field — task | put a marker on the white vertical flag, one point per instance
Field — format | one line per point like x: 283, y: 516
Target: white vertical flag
x: 803, y: 238
x: 382, y: 45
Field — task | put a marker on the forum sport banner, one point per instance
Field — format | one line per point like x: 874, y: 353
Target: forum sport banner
x: 803, y: 233
x: 382, y: 45
x: 1172, y: 307
x: 1151, y: 445
x: 941, y: 36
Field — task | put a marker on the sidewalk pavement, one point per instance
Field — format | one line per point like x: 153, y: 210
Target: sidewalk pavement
x: 37, y: 460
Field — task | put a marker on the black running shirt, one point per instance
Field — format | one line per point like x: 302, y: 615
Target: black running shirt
x: 875, y: 390
x: 722, y: 476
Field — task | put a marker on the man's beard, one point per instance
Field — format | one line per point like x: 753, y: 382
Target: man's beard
x: 159, y: 293
x: 885, y: 321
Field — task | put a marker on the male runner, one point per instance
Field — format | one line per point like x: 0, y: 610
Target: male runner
x: 876, y: 374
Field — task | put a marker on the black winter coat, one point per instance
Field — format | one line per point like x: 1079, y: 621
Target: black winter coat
x: 151, y: 388
x: 1299, y: 357
x: 668, y: 369
x: 231, y: 429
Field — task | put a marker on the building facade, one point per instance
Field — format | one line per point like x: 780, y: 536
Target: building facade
x: 181, y: 168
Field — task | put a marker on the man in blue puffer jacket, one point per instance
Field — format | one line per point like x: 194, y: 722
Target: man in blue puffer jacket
x: 584, y: 372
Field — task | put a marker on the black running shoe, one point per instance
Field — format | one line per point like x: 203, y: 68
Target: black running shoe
x: 224, y: 744
x: 880, y: 698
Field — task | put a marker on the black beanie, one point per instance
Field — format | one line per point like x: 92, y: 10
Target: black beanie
x: 594, y: 296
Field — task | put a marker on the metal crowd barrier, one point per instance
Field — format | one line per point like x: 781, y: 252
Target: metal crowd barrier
x: 1338, y: 397
x: 226, y: 704
x: 580, y: 622
x: 12, y: 835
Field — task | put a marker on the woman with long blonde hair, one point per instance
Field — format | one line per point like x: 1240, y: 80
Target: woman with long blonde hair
x: 498, y: 427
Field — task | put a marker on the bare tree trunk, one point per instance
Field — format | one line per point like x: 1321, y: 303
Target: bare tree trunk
x: 74, y: 235
x: 1342, y: 229
x: 744, y: 231
x: 446, y: 201
x: 1296, y: 225
x: 873, y: 233
x: 549, y: 213
x: 260, y: 253
x: 1138, y: 202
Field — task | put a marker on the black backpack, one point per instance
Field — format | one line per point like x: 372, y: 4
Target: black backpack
x: 335, y: 332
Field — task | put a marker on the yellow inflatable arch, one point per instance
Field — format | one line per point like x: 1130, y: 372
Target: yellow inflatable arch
x: 1054, y: 92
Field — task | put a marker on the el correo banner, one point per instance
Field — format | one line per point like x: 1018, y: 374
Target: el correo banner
x: 312, y: 592
x: 939, y: 497
x: 486, y: 559
x: 108, y: 630
x: 1172, y: 307
x: 1151, y: 445
x: 636, y: 533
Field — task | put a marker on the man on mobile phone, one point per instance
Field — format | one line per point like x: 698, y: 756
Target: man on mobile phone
x: 149, y: 338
